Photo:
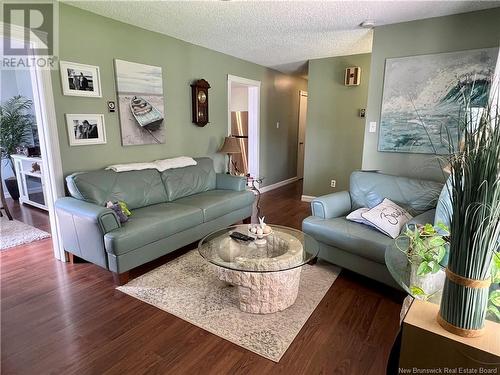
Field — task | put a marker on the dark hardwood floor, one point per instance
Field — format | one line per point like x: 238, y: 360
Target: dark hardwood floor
x: 59, y: 318
x: 28, y: 214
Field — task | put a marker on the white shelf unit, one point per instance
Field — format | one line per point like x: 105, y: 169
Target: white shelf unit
x: 30, y: 181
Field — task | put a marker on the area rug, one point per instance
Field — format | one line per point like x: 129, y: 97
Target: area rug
x: 14, y: 233
x: 188, y: 288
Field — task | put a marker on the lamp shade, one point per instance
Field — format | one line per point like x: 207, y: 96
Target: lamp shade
x: 230, y: 146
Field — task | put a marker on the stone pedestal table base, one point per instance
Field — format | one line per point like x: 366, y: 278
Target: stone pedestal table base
x: 264, y: 292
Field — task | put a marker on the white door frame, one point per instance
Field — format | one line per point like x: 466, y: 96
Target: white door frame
x: 253, y: 120
x: 49, y: 140
x: 301, y: 94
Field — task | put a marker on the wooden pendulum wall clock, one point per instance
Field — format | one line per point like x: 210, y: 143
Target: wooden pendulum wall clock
x: 199, y: 92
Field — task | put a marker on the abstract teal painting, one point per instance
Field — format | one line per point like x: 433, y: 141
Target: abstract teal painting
x: 424, y: 95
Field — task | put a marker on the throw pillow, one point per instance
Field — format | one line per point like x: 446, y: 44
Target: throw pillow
x: 388, y: 217
x: 357, y: 217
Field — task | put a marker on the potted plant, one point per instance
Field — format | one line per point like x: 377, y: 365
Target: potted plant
x: 426, y: 247
x: 16, y: 124
x: 474, y: 189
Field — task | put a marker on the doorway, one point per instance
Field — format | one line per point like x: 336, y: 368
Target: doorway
x: 244, y: 123
x: 41, y: 180
x: 301, y: 134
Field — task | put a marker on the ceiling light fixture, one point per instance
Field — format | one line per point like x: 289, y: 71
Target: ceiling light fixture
x: 367, y: 24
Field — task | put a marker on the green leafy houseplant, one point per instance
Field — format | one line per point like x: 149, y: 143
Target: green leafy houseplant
x: 16, y: 126
x: 426, y: 246
x: 16, y: 123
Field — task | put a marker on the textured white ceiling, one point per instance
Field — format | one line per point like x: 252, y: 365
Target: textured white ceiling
x: 278, y: 34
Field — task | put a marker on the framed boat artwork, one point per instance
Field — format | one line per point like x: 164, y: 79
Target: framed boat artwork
x: 140, y: 103
x: 423, y: 96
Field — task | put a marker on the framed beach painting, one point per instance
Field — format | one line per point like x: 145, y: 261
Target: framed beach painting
x: 423, y: 96
x: 85, y: 129
x: 140, y: 103
x: 80, y: 80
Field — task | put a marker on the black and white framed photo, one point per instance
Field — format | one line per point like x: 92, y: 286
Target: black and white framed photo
x: 80, y: 80
x: 85, y: 129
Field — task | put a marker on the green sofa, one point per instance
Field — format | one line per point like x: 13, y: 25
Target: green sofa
x: 170, y: 209
x: 358, y: 247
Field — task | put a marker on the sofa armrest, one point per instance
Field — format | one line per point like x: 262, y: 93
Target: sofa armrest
x: 229, y: 182
x: 83, y: 226
x: 426, y: 217
x: 104, y: 217
x: 331, y: 205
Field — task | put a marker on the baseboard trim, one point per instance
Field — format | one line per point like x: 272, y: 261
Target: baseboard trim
x: 307, y: 198
x: 267, y: 188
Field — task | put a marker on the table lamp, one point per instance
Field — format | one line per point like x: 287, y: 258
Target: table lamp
x: 230, y: 146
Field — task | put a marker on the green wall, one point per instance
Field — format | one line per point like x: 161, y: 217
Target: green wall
x: 435, y: 35
x: 334, y: 133
x: 91, y: 39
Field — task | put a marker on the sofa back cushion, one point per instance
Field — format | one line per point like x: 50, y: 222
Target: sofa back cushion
x: 182, y: 182
x: 368, y: 189
x: 136, y: 188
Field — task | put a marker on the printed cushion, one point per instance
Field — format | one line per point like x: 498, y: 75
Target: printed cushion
x: 388, y: 217
x: 357, y: 217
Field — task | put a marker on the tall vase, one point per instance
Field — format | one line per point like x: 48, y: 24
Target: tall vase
x: 463, y: 305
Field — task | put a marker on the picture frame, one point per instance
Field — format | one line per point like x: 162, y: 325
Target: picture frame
x: 80, y: 79
x: 85, y: 129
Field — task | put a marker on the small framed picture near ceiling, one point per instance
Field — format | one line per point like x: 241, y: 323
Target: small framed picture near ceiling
x: 85, y: 129
x: 140, y: 103
x: 80, y: 80
x: 423, y: 96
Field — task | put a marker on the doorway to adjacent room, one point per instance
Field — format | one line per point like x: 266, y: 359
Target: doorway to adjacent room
x: 301, y: 137
x: 33, y: 163
x: 244, y: 124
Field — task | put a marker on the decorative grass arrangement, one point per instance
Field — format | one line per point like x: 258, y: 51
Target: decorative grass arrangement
x: 474, y: 188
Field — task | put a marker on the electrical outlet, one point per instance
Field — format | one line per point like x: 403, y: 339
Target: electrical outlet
x: 373, y: 127
x: 333, y: 183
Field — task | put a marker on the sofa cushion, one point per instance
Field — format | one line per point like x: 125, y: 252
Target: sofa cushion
x: 150, y: 224
x: 216, y: 203
x: 358, y: 239
x: 183, y: 182
x: 368, y: 189
x: 135, y: 188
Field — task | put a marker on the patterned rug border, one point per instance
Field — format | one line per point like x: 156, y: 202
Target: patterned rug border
x: 124, y: 289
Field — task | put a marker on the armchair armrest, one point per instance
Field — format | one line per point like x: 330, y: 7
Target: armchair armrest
x: 104, y: 217
x: 331, y: 205
x: 229, y: 182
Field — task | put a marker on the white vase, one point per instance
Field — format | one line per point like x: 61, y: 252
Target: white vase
x: 429, y: 283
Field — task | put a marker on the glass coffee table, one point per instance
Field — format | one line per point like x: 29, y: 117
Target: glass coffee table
x: 266, y: 270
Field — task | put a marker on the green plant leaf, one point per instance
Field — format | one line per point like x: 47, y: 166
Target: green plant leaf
x: 435, y: 267
x: 417, y: 292
x: 423, y: 269
x: 443, y: 227
x: 494, y: 297
x: 436, y: 241
x: 441, y: 253
x: 494, y: 312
